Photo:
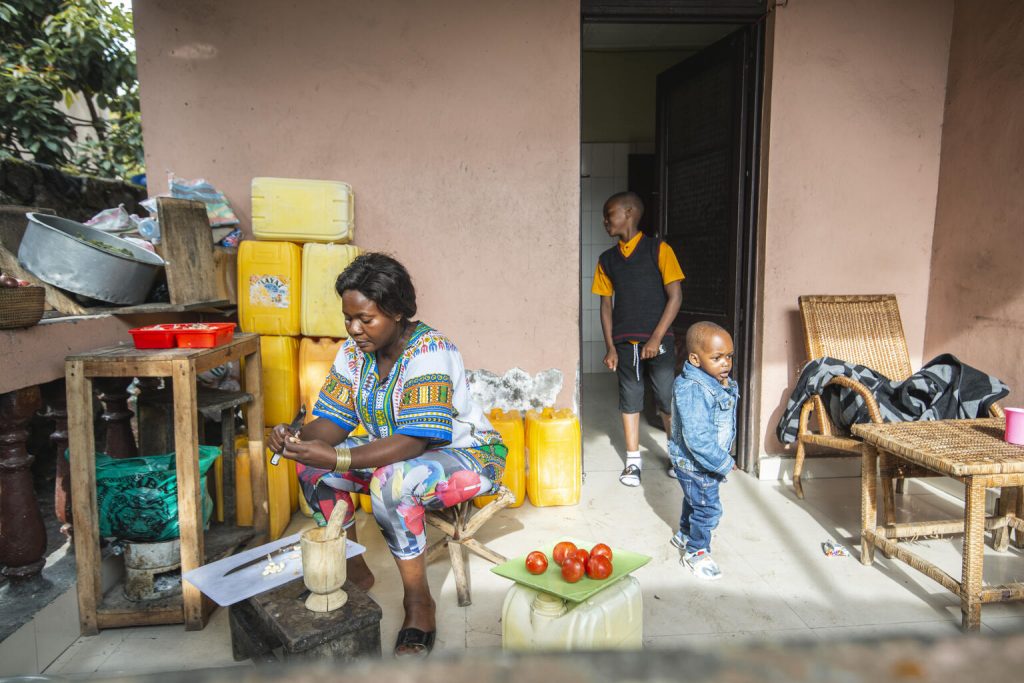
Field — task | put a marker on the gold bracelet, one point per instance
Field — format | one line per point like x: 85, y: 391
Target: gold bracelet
x: 344, y: 461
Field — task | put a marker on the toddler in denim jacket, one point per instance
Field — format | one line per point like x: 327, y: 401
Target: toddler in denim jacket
x: 703, y: 430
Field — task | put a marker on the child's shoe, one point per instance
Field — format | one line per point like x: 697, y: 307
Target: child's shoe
x: 679, y: 540
x: 702, y: 566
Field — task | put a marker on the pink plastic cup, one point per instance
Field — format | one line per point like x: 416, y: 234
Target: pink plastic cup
x: 1014, y: 425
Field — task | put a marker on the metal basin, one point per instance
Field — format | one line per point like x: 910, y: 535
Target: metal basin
x: 87, y: 261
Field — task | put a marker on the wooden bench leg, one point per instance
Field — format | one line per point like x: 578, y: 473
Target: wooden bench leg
x: 973, y: 559
x: 1005, y: 507
x: 483, y: 551
x: 798, y: 468
x: 461, y: 572
x: 868, y: 504
x: 1018, y: 535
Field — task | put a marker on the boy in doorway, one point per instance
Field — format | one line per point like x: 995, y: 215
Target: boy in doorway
x: 703, y: 430
x: 643, y: 275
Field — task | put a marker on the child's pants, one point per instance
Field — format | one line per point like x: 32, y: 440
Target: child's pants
x: 702, y: 508
x: 400, y: 493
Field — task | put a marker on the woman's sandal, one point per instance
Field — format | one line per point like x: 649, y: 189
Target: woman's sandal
x: 630, y: 476
x: 418, y: 642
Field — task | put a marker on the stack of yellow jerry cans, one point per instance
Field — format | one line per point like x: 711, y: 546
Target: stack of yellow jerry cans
x: 286, y: 294
x: 550, y: 440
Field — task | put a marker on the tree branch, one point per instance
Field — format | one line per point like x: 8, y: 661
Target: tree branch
x: 97, y: 123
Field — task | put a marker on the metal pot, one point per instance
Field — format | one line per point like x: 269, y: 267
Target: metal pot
x: 67, y: 254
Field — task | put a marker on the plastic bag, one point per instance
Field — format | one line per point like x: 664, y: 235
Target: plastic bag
x: 137, y: 498
x: 112, y: 220
x: 217, y: 208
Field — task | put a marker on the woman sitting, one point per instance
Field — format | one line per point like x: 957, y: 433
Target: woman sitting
x: 430, y: 446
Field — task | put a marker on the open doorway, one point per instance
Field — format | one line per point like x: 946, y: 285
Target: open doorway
x: 670, y: 110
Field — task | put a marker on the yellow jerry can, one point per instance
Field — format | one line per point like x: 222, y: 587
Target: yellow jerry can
x: 321, y: 305
x: 555, y: 465
x: 278, y: 494
x: 243, y: 487
x: 510, y: 425
x: 316, y: 356
x: 277, y: 489
x: 269, y: 287
x: 280, y: 358
x: 301, y: 210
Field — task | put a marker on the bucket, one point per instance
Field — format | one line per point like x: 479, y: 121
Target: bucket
x: 1014, y: 426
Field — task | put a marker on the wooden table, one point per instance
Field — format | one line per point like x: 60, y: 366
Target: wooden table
x: 182, y: 365
x: 970, y: 451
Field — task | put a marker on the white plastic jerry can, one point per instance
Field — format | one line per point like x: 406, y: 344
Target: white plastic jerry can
x: 610, y: 619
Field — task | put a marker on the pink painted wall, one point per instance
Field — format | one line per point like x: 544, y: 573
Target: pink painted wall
x: 457, y: 124
x: 856, y: 119
x: 976, y: 302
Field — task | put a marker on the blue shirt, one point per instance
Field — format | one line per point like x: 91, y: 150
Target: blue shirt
x: 703, y: 422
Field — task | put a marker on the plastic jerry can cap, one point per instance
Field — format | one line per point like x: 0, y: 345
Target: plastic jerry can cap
x: 548, y: 605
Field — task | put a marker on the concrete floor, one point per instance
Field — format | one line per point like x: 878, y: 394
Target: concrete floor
x: 777, y: 584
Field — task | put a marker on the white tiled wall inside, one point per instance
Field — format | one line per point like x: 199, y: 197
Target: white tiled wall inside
x: 604, y: 170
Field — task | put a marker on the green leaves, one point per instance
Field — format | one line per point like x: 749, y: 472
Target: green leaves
x: 62, y: 63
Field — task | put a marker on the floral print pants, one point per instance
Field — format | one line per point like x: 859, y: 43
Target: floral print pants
x: 400, y: 493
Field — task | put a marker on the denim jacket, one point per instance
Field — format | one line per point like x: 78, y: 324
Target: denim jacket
x: 703, y: 422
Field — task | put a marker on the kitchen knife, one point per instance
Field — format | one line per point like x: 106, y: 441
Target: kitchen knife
x: 294, y: 428
x: 265, y: 559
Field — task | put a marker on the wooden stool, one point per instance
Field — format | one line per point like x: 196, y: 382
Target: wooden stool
x: 95, y: 610
x: 459, y: 524
x: 279, y: 618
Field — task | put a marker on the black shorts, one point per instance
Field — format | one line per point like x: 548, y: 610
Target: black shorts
x: 659, y: 371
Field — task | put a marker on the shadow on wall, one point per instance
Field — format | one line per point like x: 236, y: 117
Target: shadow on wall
x: 796, y: 356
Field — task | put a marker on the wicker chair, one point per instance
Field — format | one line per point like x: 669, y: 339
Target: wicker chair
x: 862, y: 329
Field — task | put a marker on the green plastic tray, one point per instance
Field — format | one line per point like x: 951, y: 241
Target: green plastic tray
x: 551, y: 581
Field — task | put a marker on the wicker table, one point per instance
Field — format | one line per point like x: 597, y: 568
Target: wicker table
x: 182, y: 365
x: 970, y: 451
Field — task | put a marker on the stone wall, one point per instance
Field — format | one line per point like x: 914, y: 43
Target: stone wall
x: 76, y: 197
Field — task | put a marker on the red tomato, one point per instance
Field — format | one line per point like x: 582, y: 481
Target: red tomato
x: 582, y: 555
x: 562, y: 551
x: 599, y: 567
x: 536, y: 562
x: 601, y: 549
x: 572, y: 570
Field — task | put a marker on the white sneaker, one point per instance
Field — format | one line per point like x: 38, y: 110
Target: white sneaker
x: 671, y: 471
x: 679, y: 540
x: 702, y: 566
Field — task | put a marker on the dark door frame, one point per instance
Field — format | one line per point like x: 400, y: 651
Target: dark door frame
x: 742, y: 13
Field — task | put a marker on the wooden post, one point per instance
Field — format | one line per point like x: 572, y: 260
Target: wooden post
x: 113, y: 393
x: 22, y: 535
x: 81, y: 442
x: 257, y: 460
x: 190, y: 495
x: 227, y: 458
x: 55, y: 399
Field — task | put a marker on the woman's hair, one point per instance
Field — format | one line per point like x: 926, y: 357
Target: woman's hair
x: 382, y: 280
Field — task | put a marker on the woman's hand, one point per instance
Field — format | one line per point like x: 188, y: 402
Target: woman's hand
x: 315, y: 453
x: 277, y: 437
